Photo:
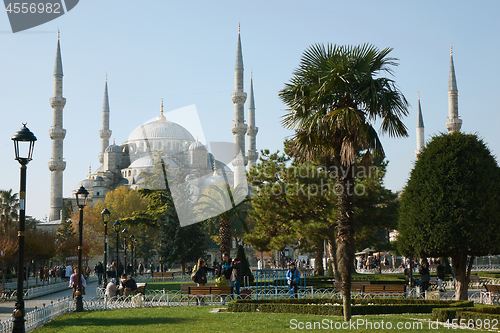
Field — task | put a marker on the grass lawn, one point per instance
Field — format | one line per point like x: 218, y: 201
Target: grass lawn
x: 199, y: 319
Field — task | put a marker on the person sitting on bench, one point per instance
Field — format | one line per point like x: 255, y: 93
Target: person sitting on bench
x: 128, y: 285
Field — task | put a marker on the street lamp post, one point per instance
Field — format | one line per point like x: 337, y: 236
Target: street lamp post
x: 105, y: 219
x: 117, y: 226
x: 135, y: 254
x: 132, y: 254
x: 125, y: 233
x: 81, y: 202
x: 23, y: 135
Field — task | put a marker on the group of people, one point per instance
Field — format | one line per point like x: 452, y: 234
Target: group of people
x: 425, y: 275
x: 229, y: 270
x: 126, y: 286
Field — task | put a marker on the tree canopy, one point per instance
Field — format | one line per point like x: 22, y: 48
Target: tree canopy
x: 451, y: 203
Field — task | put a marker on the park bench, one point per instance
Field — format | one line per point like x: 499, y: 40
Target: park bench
x: 494, y: 291
x: 185, y: 287
x: 355, y: 285
x: 141, y: 288
x: 163, y: 274
x: 210, y: 290
x: 476, y: 281
x: 384, y: 289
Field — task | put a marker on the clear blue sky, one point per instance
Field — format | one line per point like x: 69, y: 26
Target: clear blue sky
x: 184, y: 52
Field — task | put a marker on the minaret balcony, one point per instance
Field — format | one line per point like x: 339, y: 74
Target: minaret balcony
x: 239, y: 97
x: 57, y: 165
x: 252, y: 155
x: 105, y: 134
x: 252, y: 131
x: 57, y: 133
x: 239, y: 128
x: 453, y: 125
x: 57, y: 102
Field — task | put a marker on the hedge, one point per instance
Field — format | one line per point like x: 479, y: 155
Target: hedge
x: 448, y: 314
x: 333, y: 307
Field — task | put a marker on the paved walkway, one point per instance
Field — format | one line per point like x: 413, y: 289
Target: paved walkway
x: 6, y: 308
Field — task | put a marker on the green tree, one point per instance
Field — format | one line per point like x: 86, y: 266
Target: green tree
x: 217, y: 204
x: 9, y: 204
x: 375, y: 208
x: 292, y: 205
x: 451, y: 203
x: 334, y: 96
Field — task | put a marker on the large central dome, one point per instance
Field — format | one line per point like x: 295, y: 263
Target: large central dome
x: 161, y: 129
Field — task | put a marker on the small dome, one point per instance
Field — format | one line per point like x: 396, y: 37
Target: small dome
x: 113, y: 149
x: 197, y: 145
x: 87, y: 183
x: 99, y: 179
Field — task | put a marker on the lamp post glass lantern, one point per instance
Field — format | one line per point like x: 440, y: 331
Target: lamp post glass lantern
x: 81, y: 201
x: 117, y: 226
x: 24, y: 154
x: 106, y: 214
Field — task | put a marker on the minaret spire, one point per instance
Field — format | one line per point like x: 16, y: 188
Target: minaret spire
x: 57, y: 134
x: 105, y: 132
x: 252, y: 130
x: 453, y: 123
x: 239, y: 127
x: 420, y: 129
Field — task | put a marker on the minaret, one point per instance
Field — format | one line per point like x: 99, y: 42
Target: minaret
x: 420, y: 129
x: 239, y: 127
x: 252, y: 130
x: 105, y: 132
x: 453, y: 124
x: 57, y: 134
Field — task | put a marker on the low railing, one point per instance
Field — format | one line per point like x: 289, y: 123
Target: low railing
x: 34, y: 292
x: 41, y: 315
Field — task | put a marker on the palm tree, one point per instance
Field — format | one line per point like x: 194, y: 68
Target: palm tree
x: 219, y: 202
x: 9, y: 204
x: 334, y: 97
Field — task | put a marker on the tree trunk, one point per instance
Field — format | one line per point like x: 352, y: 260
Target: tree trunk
x: 459, y: 262
x: 332, y: 249
x: 225, y: 236
x: 183, y: 268
x: 318, y: 260
x: 345, y: 234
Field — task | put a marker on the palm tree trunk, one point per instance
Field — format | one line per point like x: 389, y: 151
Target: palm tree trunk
x: 225, y: 236
x: 345, y: 234
x: 332, y: 249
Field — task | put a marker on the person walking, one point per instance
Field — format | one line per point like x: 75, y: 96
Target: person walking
x: 73, y: 282
x: 293, y: 278
x: 425, y: 275
x: 236, y: 274
x: 99, y: 270
x: 440, y: 275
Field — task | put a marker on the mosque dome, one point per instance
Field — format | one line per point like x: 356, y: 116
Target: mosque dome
x: 113, y: 149
x: 197, y: 145
x: 161, y: 128
x: 87, y: 183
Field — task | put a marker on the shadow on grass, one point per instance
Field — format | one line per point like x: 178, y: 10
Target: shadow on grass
x: 110, y: 322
